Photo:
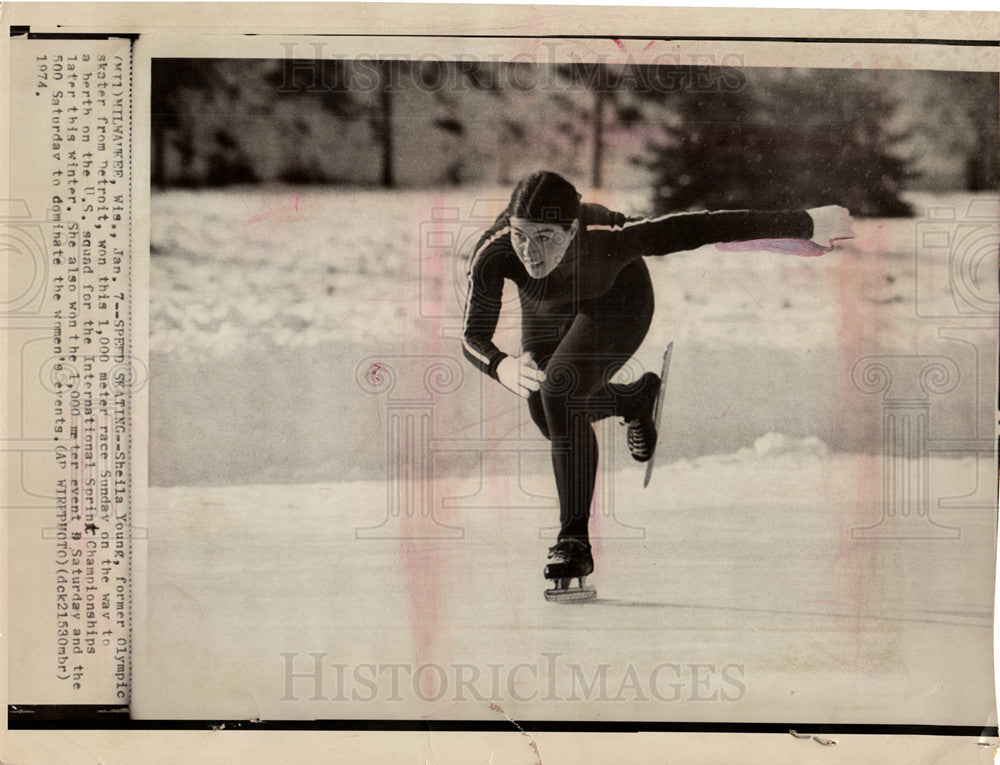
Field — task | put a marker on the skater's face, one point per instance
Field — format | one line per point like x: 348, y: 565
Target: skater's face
x: 540, y: 246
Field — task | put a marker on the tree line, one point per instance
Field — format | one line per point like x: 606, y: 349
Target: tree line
x: 701, y: 136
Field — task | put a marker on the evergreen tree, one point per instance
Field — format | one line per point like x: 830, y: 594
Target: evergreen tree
x: 174, y: 79
x: 789, y: 139
x: 955, y: 115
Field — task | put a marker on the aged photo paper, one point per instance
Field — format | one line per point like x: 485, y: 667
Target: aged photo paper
x: 339, y: 420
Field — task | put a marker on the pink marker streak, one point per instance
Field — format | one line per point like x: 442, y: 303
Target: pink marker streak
x: 804, y: 248
x: 287, y: 210
x: 424, y: 576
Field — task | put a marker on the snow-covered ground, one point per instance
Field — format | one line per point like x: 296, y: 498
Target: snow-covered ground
x: 290, y: 327
x: 236, y: 271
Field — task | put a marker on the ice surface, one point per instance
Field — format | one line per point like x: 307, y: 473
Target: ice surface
x: 745, y: 562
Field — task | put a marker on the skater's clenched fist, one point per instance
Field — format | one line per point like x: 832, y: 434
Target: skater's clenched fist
x: 520, y: 374
x: 830, y: 223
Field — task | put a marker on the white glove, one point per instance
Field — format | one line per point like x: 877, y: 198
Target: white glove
x: 520, y: 375
x: 830, y: 223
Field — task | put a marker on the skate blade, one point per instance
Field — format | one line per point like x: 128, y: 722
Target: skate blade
x: 570, y: 595
x: 658, y: 411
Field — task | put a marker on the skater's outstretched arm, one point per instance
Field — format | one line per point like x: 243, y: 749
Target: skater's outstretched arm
x: 688, y: 231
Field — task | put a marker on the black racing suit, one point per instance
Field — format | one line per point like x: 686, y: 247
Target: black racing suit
x: 583, y: 322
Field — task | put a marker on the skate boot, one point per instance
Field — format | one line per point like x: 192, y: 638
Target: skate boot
x: 641, y: 433
x: 571, y: 559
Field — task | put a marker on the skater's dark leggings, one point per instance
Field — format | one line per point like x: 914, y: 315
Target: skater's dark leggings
x: 580, y: 353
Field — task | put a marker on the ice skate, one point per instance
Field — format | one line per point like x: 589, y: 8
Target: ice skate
x: 571, y: 560
x: 641, y: 435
